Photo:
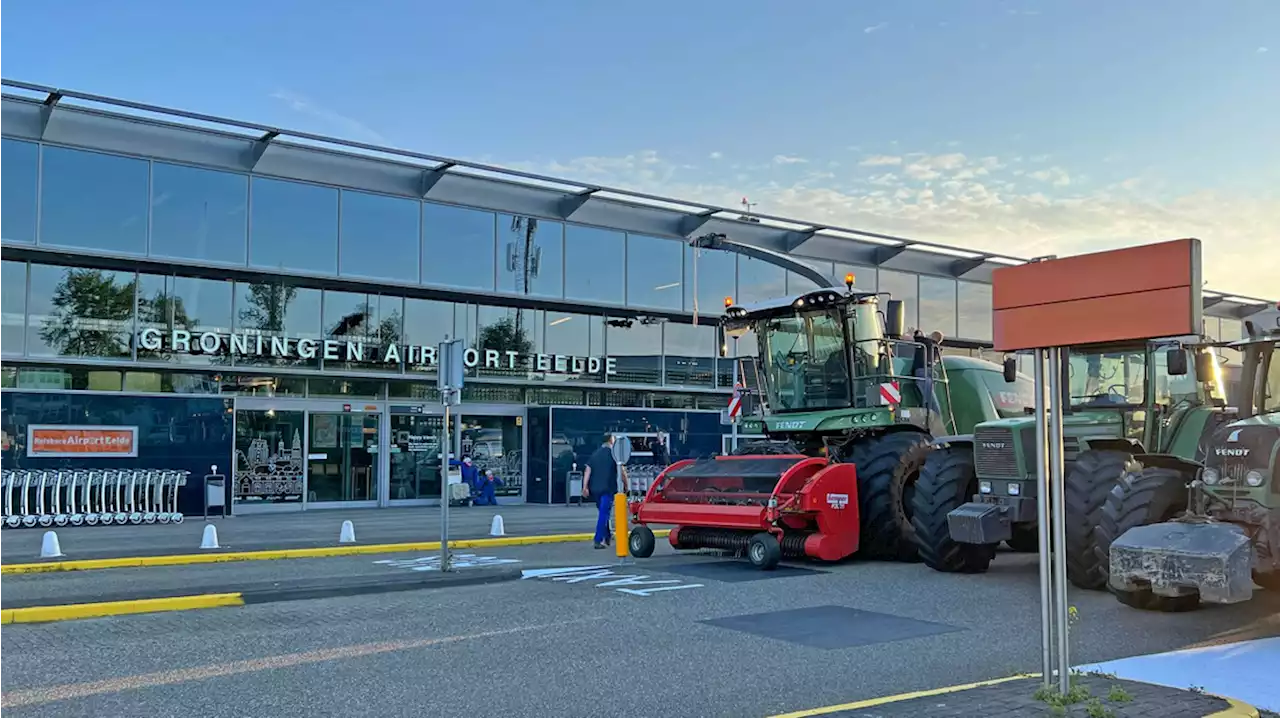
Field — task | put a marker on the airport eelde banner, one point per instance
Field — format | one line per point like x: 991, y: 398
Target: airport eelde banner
x: 48, y: 441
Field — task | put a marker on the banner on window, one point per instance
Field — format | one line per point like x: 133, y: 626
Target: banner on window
x: 47, y: 441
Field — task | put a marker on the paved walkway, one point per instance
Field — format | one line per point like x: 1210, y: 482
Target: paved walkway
x: 305, y: 529
x: 1092, y: 695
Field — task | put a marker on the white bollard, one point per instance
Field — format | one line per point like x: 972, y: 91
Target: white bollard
x: 49, y: 547
x: 210, y: 538
x: 496, y: 529
x: 348, y: 533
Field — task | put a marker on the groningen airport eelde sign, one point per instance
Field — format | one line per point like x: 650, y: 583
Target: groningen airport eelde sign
x: 181, y: 341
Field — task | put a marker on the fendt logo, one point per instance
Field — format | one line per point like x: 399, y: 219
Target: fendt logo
x: 994, y: 445
x: 1231, y: 452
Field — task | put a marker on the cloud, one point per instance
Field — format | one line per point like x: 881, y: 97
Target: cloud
x: 716, y: 155
x: 338, y: 123
x: 875, y: 28
x: 995, y: 211
x: 1262, y: 50
x: 788, y: 160
x: 880, y: 161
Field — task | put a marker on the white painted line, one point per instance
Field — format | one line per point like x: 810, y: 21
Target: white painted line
x: 634, y: 585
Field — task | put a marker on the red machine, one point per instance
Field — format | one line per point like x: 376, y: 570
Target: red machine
x: 767, y: 506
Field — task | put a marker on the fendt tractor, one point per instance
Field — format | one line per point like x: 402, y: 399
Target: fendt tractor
x: 1124, y: 405
x: 843, y: 401
x: 1185, y: 533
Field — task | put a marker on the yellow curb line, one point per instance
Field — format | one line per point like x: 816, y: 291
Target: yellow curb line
x: 323, y: 552
x: 73, y: 611
x: 1236, y: 709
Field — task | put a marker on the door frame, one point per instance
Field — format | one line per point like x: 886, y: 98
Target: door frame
x: 425, y: 408
x: 330, y: 406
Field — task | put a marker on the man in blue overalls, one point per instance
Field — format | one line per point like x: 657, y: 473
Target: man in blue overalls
x: 600, y: 481
x: 488, y: 489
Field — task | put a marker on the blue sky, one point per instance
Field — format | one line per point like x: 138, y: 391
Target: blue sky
x: 1016, y: 125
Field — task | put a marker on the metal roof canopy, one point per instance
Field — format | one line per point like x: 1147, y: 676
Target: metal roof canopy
x: 246, y: 147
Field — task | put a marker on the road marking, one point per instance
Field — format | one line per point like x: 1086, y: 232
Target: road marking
x: 618, y: 582
x: 70, y: 691
x: 432, y: 563
x: 72, y: 611
x: 900, y: 697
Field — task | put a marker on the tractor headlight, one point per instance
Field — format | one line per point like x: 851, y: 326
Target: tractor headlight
x: 1210, y: 476
x: 1014, y: 489
x: 1254, y: 478
x: 984, y: 487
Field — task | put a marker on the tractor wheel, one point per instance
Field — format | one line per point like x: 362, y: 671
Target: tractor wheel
x: 641, y: 542
x: 764, y: 552
x: 888, y: 467
x: 1086, y: 489
x: 1025, y: 539
x: 1146, y: 496
x: 946, y: 481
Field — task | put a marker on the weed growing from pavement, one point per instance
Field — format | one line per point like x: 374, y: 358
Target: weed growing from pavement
x: 1119, y: 695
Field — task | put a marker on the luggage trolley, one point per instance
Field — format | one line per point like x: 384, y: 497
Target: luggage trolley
x: 11, y: 479
x: 133, y: 503
x: 61, y: 497
x: 93, y: 509
x: 120, y: 509
x: 78, y: 497
x: 43, y: 517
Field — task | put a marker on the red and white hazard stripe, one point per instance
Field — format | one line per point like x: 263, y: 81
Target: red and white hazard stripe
x: 735, y: 403
x: 890, y: 393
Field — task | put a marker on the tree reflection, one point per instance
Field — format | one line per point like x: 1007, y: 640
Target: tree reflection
x: 505, y: 335
x: 268, y: 304
x: 92, y: 315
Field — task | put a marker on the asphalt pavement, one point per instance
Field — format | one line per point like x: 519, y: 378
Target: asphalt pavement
x: 310, y: 529
x: 686, y: 635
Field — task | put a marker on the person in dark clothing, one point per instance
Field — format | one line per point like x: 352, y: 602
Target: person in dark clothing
x: 600, y: 481
x: 928, y: 352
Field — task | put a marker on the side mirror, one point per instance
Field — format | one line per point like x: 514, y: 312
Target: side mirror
x: 1010, y: 369
x: 1205, y: 365
x: 1177, y: 361
x: 895, y: 319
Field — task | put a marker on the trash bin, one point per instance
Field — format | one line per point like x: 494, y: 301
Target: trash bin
x: 215, y: 493
x: 573, y: 487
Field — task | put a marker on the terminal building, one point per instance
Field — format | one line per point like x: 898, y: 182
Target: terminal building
x: 183, y: 292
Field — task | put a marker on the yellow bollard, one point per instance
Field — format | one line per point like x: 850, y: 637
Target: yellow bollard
x: 621, y: 535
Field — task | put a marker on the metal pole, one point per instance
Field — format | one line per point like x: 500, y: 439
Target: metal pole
x: 1042, y: 518
x: 1056, y: 480
x: 444, y: 491
x: 733, y: 421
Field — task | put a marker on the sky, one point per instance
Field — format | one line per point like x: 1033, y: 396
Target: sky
x: 1018, y: 126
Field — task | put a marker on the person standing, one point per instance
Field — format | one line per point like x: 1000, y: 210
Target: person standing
x: 600, y: 481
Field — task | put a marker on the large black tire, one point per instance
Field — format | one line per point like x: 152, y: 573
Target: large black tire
x: 764, y: 552
x: 888, y: 467
x: 946, y: 481
x: 1086, y: 489
x: 1142, y: 497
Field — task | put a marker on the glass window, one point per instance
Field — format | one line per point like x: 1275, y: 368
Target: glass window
x: 1101, y: 380
x: 284, y: 315
x: 80, y: 312
x: 294, y: 226
x: 715, y: 279
x: 904, y: 287
x: 575, y: 335
x: 938, y: 305
x: 690, y: 354
x: 93, y: 200
x: 532, y: 254
x: 357, y: 329
x: 594, y: 265
x: 864, y: 278
x: 759, y: 281
x: 805, y: 363
x: 507, y: 340
x: 636, y: 349
x: 415, y: 456
x: 199, y: 306
x: 13, y: 306
x: 199, y: 214
x: 974, y: 303
x: 379, y: 237
x: 654, y: 272
x: 457, y: 247
x: 426, y: 324
x: 269, y: 461
x: 21, y: 170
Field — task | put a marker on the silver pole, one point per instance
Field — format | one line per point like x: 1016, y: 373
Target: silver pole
x: 1057, y: 481
x: 733, y: 440
x: 444, y: 491
x: 1042, y: 518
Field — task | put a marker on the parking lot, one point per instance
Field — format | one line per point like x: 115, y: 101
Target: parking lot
x: 698, y: 635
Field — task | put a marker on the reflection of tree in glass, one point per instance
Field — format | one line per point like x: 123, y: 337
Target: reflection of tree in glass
x: 91, y: 314
x: 506, y: 336
x: 166, y: 311
x: 268, y: 304
x: 356, y: 325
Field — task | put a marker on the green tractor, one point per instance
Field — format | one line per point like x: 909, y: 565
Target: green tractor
x: 1125, y: 405
x: 1171, y: 549
x: 838, y: 382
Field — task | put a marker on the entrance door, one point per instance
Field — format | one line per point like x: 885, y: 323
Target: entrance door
x: 342, y: 456
x: 415, y: 456
x: 495, y: 442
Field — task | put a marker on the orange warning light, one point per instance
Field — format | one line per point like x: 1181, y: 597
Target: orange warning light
x: 848, y: 280
x: 728, y: 301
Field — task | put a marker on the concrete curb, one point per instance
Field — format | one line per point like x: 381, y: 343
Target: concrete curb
x: 300, y: 591
x: 322, y: 552
x: 1235, y: 709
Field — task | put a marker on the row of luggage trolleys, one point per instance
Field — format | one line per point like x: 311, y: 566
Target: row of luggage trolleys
x: 91, y: 497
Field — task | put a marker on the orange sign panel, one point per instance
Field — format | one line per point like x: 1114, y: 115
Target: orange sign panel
x: 1136, y: 293
x: 82, y: 441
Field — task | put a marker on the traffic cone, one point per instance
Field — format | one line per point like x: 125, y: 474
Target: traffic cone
x: 496, y: 528
x: 210, y: 537
x: 49, y: 547
x: 348, y: 533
